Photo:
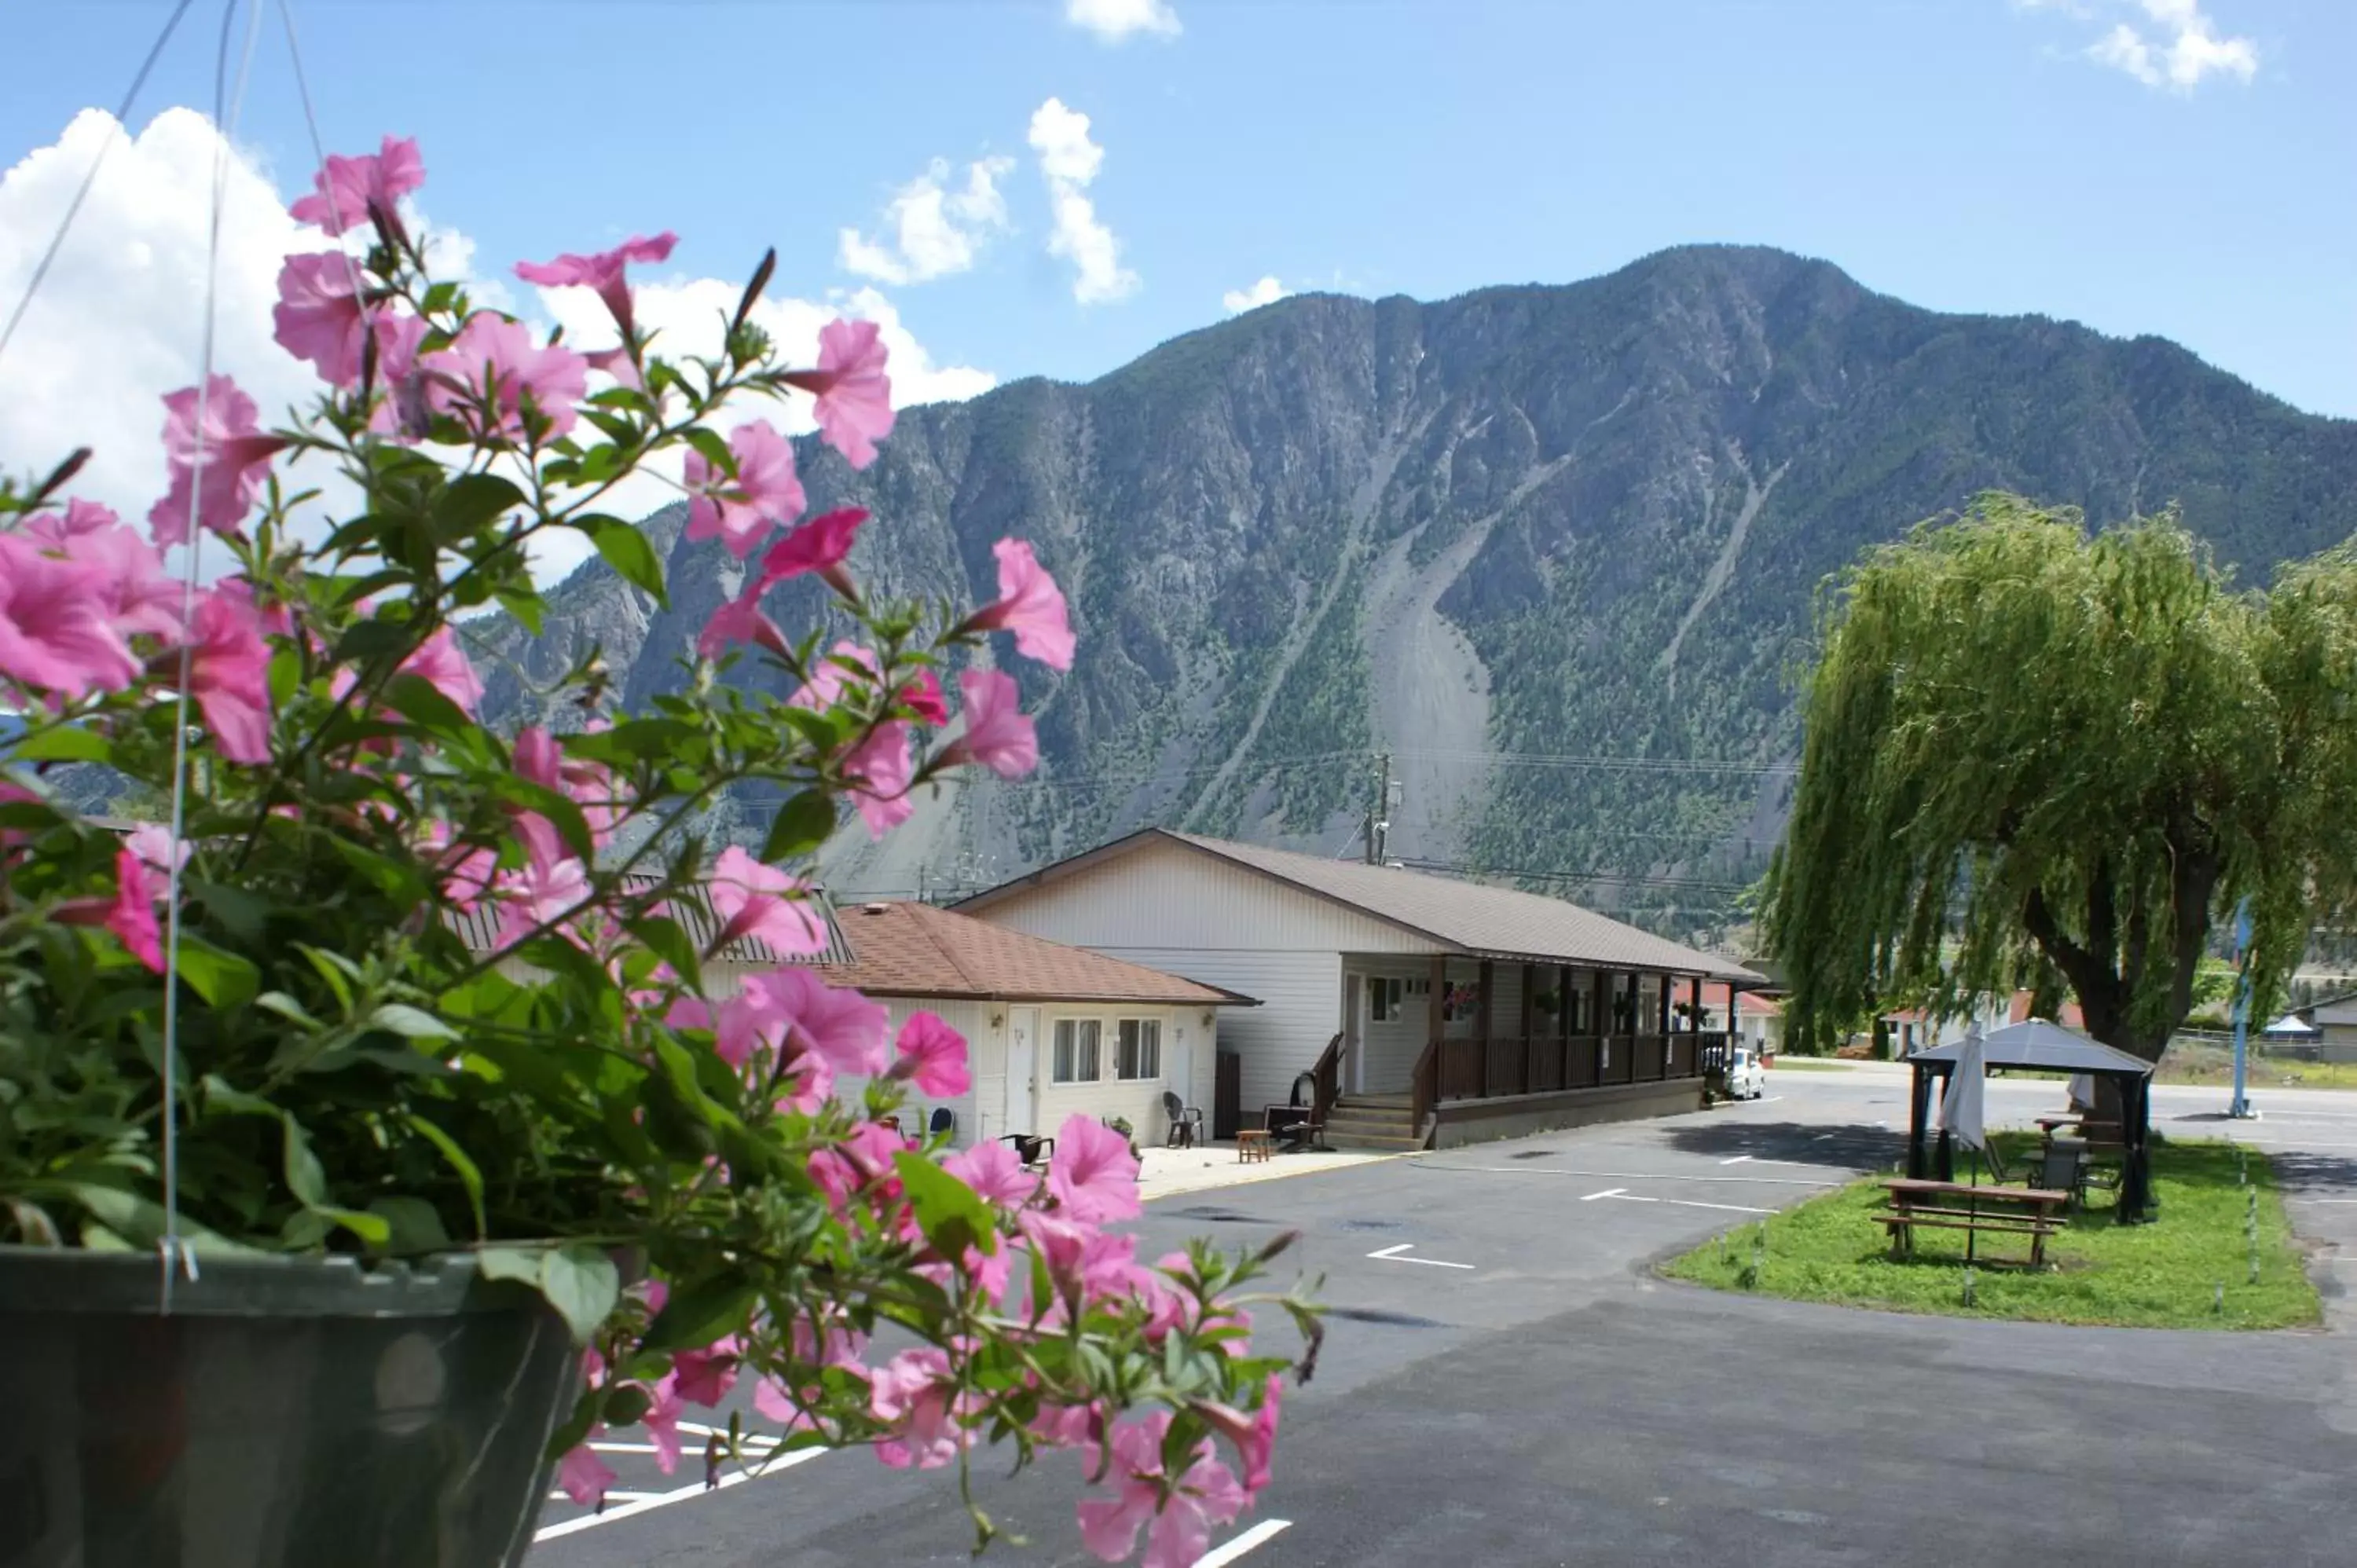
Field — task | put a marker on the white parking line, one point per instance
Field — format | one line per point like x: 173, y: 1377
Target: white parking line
x: 1625, y: 1195
x: 1265, y: 1531
x: 1737, y: 1160
x: 1636, y: 1176
x: 681, y: 1494
x: 1392, y: 1255
x: 1610, y: 1192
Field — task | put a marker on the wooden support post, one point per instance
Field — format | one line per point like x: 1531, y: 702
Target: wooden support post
x: 1530, y: 972
x: 1563, y: 1031
x: 1436, y: 1025
x: 1482, y: 1017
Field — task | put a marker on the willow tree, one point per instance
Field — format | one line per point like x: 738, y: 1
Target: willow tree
x: 2033, y: 752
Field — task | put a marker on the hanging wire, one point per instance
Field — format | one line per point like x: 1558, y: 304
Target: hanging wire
x: 73, y: 207
x: 227, y: 106
x: 319, y: 153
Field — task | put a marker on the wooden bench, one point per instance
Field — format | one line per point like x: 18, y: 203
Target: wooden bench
x: 1253, y: 1145
x: 2034, y: 1212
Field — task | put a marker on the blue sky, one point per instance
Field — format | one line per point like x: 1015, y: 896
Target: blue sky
x: 1968, y: 154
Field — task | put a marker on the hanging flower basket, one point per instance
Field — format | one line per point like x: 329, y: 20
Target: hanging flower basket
x: 288, y: 1413
x: 396, y: 1032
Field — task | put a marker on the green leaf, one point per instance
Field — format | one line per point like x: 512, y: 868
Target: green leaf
x: 64, y: 744
x: 375, y: 1232
x: 470, y: 1176
x: 525, y: 606
x: 305, y: 1178
x: 520, y: 1264
x: 471, y: 501
x: 952, y: 1214
x: 715, y: 449
x: 669, y: 940
x: 412, y: 1225
x: 697, y: 1314
x: 626, y: 550
x: 410, y: 1023
x: 223, y: 978
x: 800, y: 825
x: 627, y: 1404
x: 423, y: 703
x: 372, y: 638
x: 241, y: 913
x: 582, y: 1284
x: 441, y: 297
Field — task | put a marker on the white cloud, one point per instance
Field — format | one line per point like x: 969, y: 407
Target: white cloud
x: 1115, y: 20
x: 1068, y: 161
x: 931, y: 229
x: 2176, y: 46
x: 1269, y: 291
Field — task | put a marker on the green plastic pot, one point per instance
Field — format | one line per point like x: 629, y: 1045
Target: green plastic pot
x: 288, y: 1413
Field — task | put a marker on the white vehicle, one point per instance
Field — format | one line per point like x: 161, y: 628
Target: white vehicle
x: 1745, y: 1078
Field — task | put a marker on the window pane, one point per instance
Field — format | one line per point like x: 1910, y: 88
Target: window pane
x: 1149, y: 1048
x: 1089, y: 1031
x: 1063, y: 1071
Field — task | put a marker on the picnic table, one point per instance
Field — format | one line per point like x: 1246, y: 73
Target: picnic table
x: 2032, y: 1211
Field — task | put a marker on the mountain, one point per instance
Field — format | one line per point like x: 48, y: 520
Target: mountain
x: 1553, y: 549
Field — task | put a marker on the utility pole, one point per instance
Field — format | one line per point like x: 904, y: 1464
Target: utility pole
x: 1377, y: 826
x: 2240, y: 1107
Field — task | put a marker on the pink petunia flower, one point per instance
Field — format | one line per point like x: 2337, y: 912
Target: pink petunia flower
x: 56, y: 623
x: 705, y: 1377
x: 661, y: 1422
x: 152, y: 842
x: 855, y: 395
x: 552, y: 883
x: 133, y: 918
x: 1092, y: 1173
x: 1254, y: 1436
x: 737, y: 510
x: 844, y: 663
x: 791, y: 1007
x: 757, y: 900
x: 320, y: 317
x: 1178, y: 1535
x: 914, y: 1391
x: 346, y: 189
x: 58, y: 530
x: 494, y: 362
x: 922, y: 697
x: 933, y: 1056
x: 998, y: 732
x: 140, y: 596
x: 1029, y: 605
x: 879, y: 770
x: 996, y: 1172
x: 740, y: 620
x: 602, y: 271
x: 231, y: 450
x: 820, y: 546
x: 443, y: 664
x: 229, y: 676
x: 585, y: 1477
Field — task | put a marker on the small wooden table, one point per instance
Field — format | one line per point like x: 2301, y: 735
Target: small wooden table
x: 1253, y: 1145
x: 2032, y: 1211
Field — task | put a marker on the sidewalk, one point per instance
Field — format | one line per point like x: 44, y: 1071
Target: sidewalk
x: 1165, y: 1172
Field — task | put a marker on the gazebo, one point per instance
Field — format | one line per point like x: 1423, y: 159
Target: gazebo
x: 2038, y: 1045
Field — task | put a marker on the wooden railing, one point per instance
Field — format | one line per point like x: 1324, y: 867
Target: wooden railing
x: 1327, y: 1072
x: 1547, y: 1064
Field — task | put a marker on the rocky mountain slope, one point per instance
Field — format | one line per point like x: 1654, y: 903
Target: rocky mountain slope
x: 1553, y: 549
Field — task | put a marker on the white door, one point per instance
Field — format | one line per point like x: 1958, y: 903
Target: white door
x: 1023, y: 1070
x: 1354, y: 1070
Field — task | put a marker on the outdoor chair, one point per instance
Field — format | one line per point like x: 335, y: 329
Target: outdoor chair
x: 1186, y: 1123
x: 2063, y: 1167
x: 1297, y: 1122
x: 944, y: 1120
x: 1030, y: 1148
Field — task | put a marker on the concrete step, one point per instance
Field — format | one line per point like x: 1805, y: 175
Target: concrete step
x: 1404, y: 1101
x: 1372, y: 1113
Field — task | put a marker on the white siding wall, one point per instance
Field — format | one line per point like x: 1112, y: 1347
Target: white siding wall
x: 1166, y: 896
x: 1188, y: 1050
x: 1178, y: 910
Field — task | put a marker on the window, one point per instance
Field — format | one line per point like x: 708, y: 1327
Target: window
x: 1138, y: 1052
x: 1384, y: 999
x: 1076, y: 1050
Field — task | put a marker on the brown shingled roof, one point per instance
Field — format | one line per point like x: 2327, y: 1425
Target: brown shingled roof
x: 916, y: 950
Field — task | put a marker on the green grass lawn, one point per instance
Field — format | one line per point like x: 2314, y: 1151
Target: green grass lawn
x: 2205, y: 1064
x: 2161, y: 1275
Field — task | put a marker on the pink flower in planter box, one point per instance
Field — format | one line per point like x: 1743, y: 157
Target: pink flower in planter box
x: 56, y: 623
x: 996, y: 1172
x: 932, y: 1055
x: 493, y: 361
x: 1092, y: 1173
x: 879, y: 770
x: 760, y: 901
x: 443, y: 664
x: 229, y: 675
x: 855, y: 395
x: 998, y: 732
x: 1204, y: 1495
x: 235, y: 454
x: 585, y: 1477
x: 820, y: 545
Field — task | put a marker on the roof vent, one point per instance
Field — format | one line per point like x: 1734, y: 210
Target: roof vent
x: 873, y: 908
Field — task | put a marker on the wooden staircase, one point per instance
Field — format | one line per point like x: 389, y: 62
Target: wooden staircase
x: 1373, y: 1121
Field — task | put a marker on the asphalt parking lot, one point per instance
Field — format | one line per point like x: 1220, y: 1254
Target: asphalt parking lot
x: 1506, y: 1383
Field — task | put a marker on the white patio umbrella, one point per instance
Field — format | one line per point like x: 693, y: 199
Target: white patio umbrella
x: 1960, y: 1107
